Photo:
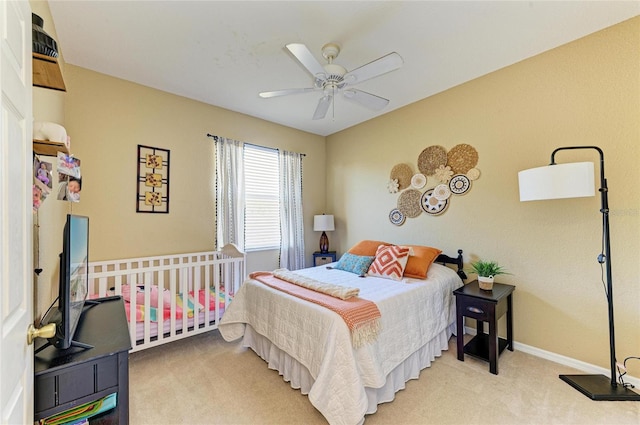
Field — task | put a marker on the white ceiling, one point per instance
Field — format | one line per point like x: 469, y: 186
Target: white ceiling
x: 225, y: 53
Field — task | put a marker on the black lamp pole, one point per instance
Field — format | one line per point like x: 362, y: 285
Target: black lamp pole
x: 598, y: 387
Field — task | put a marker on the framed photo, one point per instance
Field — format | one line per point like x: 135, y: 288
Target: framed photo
x: 153, y: 180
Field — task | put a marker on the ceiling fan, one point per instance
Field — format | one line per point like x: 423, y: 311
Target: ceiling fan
x: 333, y: 78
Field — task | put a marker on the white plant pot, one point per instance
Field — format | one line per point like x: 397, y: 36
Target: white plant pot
x: 485, y: 282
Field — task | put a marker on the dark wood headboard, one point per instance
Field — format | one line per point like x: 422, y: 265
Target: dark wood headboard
x: 457, y: 261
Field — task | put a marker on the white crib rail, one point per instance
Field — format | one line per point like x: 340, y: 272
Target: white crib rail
x: 221, y: 271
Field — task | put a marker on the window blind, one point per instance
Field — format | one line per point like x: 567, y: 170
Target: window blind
x: 262, y: 212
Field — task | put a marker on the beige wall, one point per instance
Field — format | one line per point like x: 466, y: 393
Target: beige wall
x: 48, y: 105
x: 583, y: 93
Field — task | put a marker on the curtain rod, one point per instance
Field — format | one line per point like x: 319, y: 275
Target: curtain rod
x: 217, y: 138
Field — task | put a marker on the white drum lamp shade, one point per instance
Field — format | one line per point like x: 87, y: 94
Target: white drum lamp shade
x: 323, y: 223
x: 571, y: 180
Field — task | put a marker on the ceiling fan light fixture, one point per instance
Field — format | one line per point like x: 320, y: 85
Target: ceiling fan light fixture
x: 335, y: 69
x: 332, y: 78
x: 335, y: 76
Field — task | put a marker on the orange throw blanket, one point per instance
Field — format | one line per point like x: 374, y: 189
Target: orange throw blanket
x: 361, y: 316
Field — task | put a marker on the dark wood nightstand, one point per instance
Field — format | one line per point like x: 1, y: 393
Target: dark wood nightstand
x: 320, y: 258
x: 484, y: 306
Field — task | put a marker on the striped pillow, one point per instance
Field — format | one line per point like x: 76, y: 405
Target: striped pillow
x: 390, y: 262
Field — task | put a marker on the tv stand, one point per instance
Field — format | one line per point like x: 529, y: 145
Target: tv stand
x: 67, y: 378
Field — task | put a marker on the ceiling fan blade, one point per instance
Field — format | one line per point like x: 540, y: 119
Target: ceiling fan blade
x: 323, y: 107
x: 369, y: 100
x: 276, y: 93
x: 304, y: 56
x: 380, y: 66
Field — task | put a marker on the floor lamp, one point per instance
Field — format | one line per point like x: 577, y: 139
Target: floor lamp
x: 574, y: 180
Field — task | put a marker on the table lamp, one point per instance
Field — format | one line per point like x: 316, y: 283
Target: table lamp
x: 323, y: 223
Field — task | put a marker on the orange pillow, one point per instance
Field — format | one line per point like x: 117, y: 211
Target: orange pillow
x: 419, y: 262
x: 366, y: 247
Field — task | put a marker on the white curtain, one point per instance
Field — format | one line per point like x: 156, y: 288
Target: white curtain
x: 291, y: 222
x: 229, y: 192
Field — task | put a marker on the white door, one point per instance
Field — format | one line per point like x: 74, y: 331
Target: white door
x: 16, y: 264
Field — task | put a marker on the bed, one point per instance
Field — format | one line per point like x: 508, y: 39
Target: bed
x: 170, y: 297
x: 312, y: 347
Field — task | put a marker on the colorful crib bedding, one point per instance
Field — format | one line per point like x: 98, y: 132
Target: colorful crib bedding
x: 188, y: 304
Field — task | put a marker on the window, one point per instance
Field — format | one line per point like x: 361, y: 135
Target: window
x: 262, y: 202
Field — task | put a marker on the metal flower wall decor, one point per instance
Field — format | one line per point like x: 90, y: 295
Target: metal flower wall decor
x: 452, y: 172
x: 152, y: 180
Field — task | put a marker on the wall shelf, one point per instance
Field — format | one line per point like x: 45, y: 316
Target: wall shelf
x: 48, y: 148
x: 46, y: 72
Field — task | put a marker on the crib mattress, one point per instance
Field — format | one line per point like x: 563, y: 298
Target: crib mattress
x: 166, y: 325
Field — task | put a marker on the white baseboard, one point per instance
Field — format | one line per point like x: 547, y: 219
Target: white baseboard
x: 563, y: 360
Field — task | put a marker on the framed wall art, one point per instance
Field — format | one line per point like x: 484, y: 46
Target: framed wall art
x: 153, y: 180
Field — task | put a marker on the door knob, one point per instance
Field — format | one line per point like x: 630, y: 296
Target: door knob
x: 47, y: 331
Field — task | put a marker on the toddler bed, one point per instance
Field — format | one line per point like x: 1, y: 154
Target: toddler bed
x: 173, y: 296
x: 314, y: 348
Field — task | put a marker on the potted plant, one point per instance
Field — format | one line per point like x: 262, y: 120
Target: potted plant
x: 486, y: 271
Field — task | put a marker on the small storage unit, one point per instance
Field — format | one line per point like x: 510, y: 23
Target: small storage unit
x: 320, y: 258
x: 65, y: 379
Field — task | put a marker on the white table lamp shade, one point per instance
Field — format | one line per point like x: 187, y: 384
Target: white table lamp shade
x: 572, y: 180
x: 323, y: 223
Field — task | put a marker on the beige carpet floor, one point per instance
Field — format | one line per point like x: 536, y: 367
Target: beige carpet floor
x: 205, y: 380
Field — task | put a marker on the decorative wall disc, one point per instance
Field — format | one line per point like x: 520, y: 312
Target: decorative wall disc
x: 392, y: 185
x: 418, y: 181
x: 473, y: 174
x: 461, y: 158
x: 443, y: 173
x: 431, y: 158
x: 396, y: 217
x: 409, y: 203
x: 432, y: 205
x: 402, y: 173
x: 442, y: 192
x: 459, y: 184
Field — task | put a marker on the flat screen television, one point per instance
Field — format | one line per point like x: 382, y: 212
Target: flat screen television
x: 73, y: 284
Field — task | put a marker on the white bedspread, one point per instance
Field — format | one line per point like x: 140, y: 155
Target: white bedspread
x: 413, y: 312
